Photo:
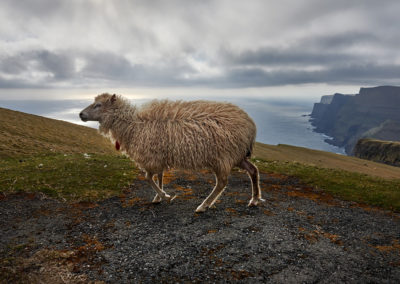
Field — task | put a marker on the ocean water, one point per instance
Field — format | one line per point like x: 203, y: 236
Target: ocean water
x: 279, y: 121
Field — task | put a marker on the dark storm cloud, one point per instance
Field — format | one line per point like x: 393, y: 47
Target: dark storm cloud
x: 60, y: 65
x: 283, y: 57
x: 351, y: 74
x: 341, y: 41
x: 245, y: 70
x: 54, y: 67
x: 14, y: 83
x: 46, y: 43
x: 97, y: 67
x: 116, y: 68
x: 322, y: 50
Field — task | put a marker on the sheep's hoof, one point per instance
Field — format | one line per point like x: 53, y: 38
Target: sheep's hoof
x: 157, y: 199
x: 256, y: 201
x: 169, y: 198
x: 201, y: 209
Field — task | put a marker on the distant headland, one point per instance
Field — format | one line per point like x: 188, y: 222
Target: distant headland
x: 372, y: 113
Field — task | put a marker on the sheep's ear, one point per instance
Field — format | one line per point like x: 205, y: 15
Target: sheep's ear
x: 113, y: 98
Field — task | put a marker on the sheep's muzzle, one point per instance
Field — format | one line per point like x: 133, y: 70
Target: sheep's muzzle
x: 83, y: 116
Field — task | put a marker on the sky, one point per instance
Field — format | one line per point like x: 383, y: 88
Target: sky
x: 219, y: 45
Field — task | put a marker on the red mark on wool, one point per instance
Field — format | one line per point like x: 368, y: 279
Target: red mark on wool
x: 117, y: 146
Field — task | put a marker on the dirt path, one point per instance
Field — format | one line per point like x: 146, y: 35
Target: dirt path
x: 299, y: 235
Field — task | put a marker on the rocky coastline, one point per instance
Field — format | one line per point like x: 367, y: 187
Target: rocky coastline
x: 372, y: 113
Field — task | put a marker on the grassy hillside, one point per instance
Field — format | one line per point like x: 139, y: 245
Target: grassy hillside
x: 346, y: 177
x: 46, y: 155
x: 61, y: 159
x: 287, y: 153
x: 23, y: 135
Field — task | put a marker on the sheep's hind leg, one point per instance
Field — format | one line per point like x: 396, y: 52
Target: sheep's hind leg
x: 161, y: 193
x: 255, y: 186
x: 222, y: 180
x: 157, y: 198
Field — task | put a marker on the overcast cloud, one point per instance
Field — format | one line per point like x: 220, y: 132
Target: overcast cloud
x: 221, y: 44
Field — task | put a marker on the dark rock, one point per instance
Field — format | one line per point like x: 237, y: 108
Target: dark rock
x: 294, y: 237
x: 347, y: 118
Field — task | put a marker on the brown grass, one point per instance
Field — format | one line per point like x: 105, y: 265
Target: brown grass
x: 53, y: 266
x: 315, y: 235
x: 24, y: 135
x: 394, y: 247
x: 323, y: 159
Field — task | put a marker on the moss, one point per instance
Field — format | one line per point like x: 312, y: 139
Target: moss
x: 346, y: 185
x: 69, y: 176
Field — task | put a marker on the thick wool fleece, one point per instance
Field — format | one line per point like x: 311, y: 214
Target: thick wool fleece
x: 166, y: 134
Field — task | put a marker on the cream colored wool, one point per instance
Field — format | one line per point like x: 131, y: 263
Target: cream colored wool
x: 165, y: 134
x: 181, y: 135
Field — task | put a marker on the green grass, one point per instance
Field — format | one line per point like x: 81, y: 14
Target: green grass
x: 346, y: 185
x: 76, y: 177
x: 68, y: 176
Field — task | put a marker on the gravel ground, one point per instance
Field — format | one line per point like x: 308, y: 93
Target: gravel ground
x: 299, y: 235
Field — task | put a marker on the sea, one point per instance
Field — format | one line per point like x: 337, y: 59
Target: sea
x: 278, y: 120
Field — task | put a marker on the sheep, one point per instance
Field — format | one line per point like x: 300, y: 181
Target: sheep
x: 164, y: 134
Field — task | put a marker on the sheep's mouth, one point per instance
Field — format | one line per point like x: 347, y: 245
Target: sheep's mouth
x: 83, y: 117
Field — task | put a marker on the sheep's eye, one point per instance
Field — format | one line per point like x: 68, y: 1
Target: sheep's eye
x: 97, y: 105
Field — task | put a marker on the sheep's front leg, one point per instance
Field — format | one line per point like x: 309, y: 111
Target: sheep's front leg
x: 157, y: 199
x: 161, y: 193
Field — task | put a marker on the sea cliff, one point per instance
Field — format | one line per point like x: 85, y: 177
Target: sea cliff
x: 372, y: 113
x: 386, y: 152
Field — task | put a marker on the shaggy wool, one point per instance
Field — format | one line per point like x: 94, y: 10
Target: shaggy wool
x: 165, y: 134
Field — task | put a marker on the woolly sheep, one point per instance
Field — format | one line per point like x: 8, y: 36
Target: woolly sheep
x: 194, y: 135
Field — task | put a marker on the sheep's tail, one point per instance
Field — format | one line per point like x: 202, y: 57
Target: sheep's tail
x: 249, y: 152
x: 250, y: 149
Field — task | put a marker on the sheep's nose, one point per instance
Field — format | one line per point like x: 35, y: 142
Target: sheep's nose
x: 83, y: 116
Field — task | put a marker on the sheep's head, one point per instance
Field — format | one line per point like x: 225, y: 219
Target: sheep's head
x: 96, y: 110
